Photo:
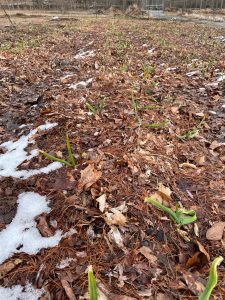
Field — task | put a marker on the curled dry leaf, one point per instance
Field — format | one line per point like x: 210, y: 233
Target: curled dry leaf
x: 200, y: 257
x: 115, y: 236
x: 163, y: 195
x: 68, y: 289
x: 115, y: 217
x: 193, y: 282
x: 187, y: 165
x: 148, y: 254
x: 43, y: 226
x: 88, y: 177
x: 8, y: 266
x: 215, y: 233
x: 102, y: 202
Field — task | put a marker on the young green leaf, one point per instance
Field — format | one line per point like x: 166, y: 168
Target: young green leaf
x: 72, y: 160
x: 212, y: 280
x: 91, y: 108
x: 189, y: 134
x: 157, y: 125
x: 180, y: 216
x: 51, y: 157
x: 92, y: 287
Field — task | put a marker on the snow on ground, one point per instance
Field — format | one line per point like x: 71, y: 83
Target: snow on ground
x: 81, y: 84
x: 83, y: 54
x: 21, y: 235
x: 16, y: 154
x: 18, y: 292
x: 221, y: 78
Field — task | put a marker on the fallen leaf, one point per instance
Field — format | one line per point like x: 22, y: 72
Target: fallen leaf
x: 68, y: 289
x: 216, y: 145
x: 43, y: 226
x: 88, y: 177
x: 193, y: 282
x: 115, y: 218
x: 102, y: 202
x: 148, y: 254
x: 215, y: 233
x: 161, y: 296
x: 115, y: 236
x: 200, y: 257
x: 187, y: 165
x: 163, y: 195
x: 8, y: 266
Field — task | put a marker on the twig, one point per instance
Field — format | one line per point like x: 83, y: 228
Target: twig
x: 8, y: 17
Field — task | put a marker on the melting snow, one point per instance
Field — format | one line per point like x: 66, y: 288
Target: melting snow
x: 221, y: 78
x: 221, y: 38
x: 15, y: 155
x: 20, y: 292
x: 81, y: 84
x: 150, y: 51
x: 21, y: 235
x: 83, y: 54
x: 193, y: 73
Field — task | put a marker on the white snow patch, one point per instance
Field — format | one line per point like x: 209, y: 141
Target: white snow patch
x: 223, y: 106
x: 83, y: 54
x: 221, y: 78
x: 18, y: 292
x: 81, y: 84
x: 221, y: 38
x: 21, y: 235
x: 65, y: 263
x: 193, y: 73
x: 16, y: 154
x: 150, y: 51
x: 171, y: 69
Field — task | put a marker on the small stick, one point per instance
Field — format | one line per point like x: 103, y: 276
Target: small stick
x: 7, y: 16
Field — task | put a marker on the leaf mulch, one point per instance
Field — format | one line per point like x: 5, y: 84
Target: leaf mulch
x: 139, y: 72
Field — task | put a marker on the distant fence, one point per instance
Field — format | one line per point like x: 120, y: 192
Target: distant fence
x: 71, y: 5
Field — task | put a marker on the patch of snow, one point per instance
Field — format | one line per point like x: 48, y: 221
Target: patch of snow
x: 221, y: 78
x: 193, y: 73
x: 16, y: 154
x: 55, y: 17
x: 83, y: 54
x: 21, y: 235
x: 18, y: 292
x: 145, y: 45
x: 81, y: 84
x: 223, y: 106
x: 221, y: 38
x: 212, y: 112
x: 65, y: 263
x: 22, y: 126
x: 171, y: 69
x: 150, y: 51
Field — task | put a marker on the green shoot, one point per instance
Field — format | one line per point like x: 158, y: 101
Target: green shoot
x: 212, y: 280
x: 151, y: 107
x: 100, y: 107
x: 92, y: 287
x: 191, y: 134
x: 147, y: 71
x: 72, y: 160
x: 70, y: 163
x: 157, y: 125
x: 134, y: 104
x: 180, y: 216
x: 91, y: 108
x: 53, y: 158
